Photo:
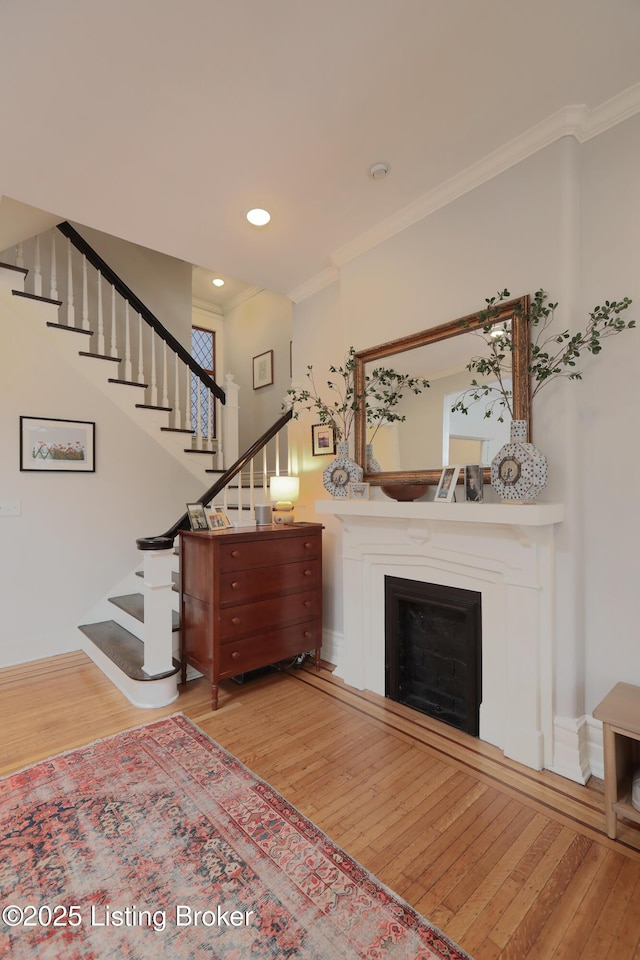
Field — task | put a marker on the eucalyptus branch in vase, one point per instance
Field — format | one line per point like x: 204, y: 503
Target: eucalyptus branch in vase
x: 384, y: 389
x: 340, y: 411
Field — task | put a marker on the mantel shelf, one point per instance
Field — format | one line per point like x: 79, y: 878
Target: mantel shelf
x: 511, y: 514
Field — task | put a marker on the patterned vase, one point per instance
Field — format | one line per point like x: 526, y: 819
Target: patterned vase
x: 371, y: 464
x: 518, y: 471
x: 341, y: 472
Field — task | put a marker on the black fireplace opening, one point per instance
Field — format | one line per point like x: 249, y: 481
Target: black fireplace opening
x: 433, y: 650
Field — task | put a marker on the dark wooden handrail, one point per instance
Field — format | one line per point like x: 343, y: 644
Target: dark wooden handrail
x: 165, y: 540
x: 112, y: 277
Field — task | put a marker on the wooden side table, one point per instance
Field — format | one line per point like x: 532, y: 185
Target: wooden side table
x: 620, y: 716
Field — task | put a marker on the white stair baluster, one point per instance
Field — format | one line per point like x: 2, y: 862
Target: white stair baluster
x: 114, y: 333
x: 37, y: 273
x: 128, y: 375
x: 71, y: 310
x: 265, y: 480
x: 177, y: 412
x: 54, y: 268
x: 154, y: 385
x: 140, y: 352
x: 165, y: 379
x: 20, y: 256
x: 198, y: 423
x: 277, y: 443
x: 210, y: 402
x: 85, y: 295
x: 187, y: 402
x: 100, y: 318
x: 252, y: 493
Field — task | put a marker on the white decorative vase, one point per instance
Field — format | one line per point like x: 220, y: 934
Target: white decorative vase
x: 341, y: 472
x: 371, y: 464
x: 519, y: 471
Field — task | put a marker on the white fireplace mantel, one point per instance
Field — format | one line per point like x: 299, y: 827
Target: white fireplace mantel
x: 504, y: 551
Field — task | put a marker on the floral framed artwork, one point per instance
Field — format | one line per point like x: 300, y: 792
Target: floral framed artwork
x: 263, y: 370
x: 48, y: 445
x: 217, y: 518
x: 359, y: 491
x: 446, y: 491
x: 197, y: 516
x: 323, y: 439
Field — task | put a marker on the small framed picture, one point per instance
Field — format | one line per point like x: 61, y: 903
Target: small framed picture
x: 263, y: 370
x: 323, y: 439
x: 197, y: 516
x: 49, y: 445
x: 473, y: 482
x: 358, y: 491
x: 217, y: 518
x: 446, y: 491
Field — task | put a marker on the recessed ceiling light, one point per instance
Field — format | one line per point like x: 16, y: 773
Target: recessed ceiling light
x: 379, y: 170
x: 218, y: 282
x: 258, y: 217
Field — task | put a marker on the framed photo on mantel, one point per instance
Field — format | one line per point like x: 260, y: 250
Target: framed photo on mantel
x: 446, y: 491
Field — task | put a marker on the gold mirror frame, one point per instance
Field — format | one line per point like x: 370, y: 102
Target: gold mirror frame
x: 515, y: 310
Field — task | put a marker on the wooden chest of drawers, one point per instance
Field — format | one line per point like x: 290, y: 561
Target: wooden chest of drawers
x: 250, y: 596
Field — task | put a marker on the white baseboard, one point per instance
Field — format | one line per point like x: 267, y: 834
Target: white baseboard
x: 332, y: 644
x: 595, y: 747
x: 570, y: 748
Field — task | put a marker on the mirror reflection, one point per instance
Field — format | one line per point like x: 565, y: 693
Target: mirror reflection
x: 432, y: 433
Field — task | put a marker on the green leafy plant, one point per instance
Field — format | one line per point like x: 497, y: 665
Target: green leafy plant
x: 383, y: 390
x: 552, y: 356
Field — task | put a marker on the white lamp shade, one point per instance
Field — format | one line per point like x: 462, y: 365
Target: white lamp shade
x: 284, y: 488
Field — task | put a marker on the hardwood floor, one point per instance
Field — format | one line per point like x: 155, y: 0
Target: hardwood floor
x: 508, y: 862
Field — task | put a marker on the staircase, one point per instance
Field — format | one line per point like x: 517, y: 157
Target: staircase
x: 132, y: 634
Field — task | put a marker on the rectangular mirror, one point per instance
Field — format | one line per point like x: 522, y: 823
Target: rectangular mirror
x: 432, y: 434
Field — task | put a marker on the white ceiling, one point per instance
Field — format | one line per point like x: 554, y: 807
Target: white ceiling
x: 163, y: 122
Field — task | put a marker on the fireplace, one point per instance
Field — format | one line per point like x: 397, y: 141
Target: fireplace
x: 433, y: 650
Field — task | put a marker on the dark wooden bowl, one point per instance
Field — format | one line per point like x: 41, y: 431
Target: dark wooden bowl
x: 405, y: 491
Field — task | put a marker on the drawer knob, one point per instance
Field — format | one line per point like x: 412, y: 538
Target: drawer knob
x: 235, y: 553
x: 235, y: 621
x: 308, y: 573
x: 307, y: 634
x: 235, y: 655
x: 308, y: 545
x: 235, y: 585
x: 307, y: 603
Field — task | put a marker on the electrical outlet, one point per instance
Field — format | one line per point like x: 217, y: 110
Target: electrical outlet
x: 10, y: 508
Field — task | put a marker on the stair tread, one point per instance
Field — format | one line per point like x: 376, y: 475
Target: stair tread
x: 197, y: 450
x: 10, y: 266
x: 99, y: 356
x: 133, y: 604
x: 122, y: 648
x: 176, y: 429
x: 151, y: 406
x: 36, y: 296
x: 128, y: 383
x: 65, y: 326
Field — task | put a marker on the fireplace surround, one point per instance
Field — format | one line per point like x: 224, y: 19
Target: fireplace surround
x: 506, y: 553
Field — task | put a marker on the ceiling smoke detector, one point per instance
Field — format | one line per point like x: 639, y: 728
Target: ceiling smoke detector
x: 379, y: 170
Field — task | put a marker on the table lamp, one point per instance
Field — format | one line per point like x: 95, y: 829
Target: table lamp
x: 284, y: 490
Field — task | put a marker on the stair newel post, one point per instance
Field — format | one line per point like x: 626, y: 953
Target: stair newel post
x: 85, y: 294
x: 20, y: 256
x: 158, y: 627
x: 140, y: 351
x: 114, y: 332
x: 177, y: 410
x: 230, y: 420
x: 128, y: 375
x: 165, y: 378
x: 154, y: 386
x: 100, y: 317
x: 37, y: 271
x: 54, y: 268
x: 71, y: 309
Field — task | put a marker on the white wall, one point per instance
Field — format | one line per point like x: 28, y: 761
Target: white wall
x: 522, y: 230
x: 76, y: 534
x: 259, y: 324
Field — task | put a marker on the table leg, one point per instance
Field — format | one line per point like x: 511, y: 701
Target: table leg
x: 610, y: 779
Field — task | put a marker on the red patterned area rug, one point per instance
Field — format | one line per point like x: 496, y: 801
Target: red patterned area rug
x: 158, y: 843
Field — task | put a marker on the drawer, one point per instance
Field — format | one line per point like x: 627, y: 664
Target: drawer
x: 243, y: 620
x: 245, y: 586
x: 271, y: 550
x: 250, y: 653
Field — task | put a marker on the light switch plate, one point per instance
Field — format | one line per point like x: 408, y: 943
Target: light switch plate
x: 10, y: 508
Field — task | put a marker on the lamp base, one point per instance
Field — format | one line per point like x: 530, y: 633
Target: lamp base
x: 283, y: 512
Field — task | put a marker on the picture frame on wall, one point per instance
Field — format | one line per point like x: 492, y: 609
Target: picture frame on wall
x: 323, y: 439
x: 51, y: 445
x: 263, y: 370
x: 473, y: 482
x: 446, y: 492
x: 197, y: 516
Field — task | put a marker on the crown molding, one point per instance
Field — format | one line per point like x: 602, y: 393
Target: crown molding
x: 207, y: 307
x: 314, y: 284
x: 576, y: 121
x: 241, y: 297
